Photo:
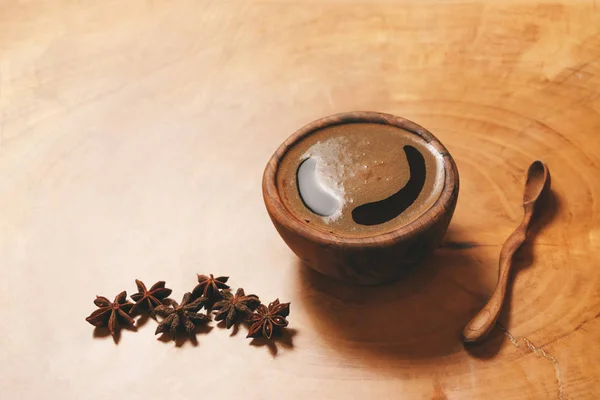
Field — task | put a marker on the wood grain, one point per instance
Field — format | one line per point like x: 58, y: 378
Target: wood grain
x: 134, y: 135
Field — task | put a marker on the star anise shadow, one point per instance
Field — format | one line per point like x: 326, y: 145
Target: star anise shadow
x: 284, y: 339
x: 182, y: 337
x: 101, y: 332
x: 234, y: 329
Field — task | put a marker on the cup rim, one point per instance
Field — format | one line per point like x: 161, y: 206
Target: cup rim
x: 280, y: 213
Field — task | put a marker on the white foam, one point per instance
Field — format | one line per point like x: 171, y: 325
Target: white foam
x: 330, y: 169
x: 318, y: 197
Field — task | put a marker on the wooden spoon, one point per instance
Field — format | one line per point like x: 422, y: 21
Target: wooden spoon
x: 538, y: 179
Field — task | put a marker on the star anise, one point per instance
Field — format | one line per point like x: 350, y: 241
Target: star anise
x: 232, y: 307
x: 184, y: 316
x: 268, y: 320
x: 112, y: 314
x: 208, y: 286
x: 149, y: 299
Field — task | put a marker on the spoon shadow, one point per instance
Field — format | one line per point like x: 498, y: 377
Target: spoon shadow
x: 284, y: 339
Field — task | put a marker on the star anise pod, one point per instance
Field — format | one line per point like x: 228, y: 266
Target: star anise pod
x: 184, y: 316
x: 112, y: 314
x: 232, y: 307
x: 268, y: 320
x: 208, y: 286
x: 149, y: 299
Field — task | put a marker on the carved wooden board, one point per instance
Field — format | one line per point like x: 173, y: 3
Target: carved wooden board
x: 133, y: 137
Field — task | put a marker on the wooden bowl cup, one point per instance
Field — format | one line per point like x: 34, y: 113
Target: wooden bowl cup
x: 363, y: 260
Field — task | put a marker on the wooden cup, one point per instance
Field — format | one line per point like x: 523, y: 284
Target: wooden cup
x: 363, y: 260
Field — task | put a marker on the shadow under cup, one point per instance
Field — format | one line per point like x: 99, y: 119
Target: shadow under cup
x: 363, y: 259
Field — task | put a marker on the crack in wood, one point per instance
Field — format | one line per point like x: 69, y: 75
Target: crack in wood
x: 539, y: 352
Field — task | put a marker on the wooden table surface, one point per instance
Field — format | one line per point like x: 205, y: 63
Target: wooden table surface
x: 133, y: 137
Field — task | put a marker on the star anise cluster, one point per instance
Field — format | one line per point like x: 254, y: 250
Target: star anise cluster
x: 212, y: 294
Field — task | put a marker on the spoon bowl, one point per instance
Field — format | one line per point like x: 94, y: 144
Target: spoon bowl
x: 538, y: 178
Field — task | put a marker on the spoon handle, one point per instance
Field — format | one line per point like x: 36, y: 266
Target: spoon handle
x: 484, y: 321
